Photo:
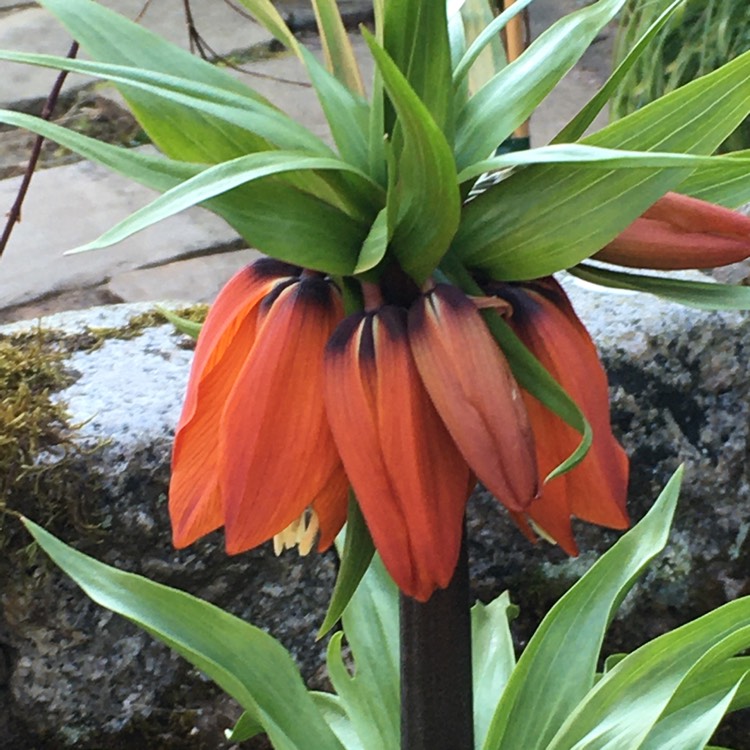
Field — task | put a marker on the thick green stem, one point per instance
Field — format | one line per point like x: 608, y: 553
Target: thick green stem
x: 436, y: 684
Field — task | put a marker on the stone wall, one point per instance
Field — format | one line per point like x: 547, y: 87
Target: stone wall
x: 75, y: 675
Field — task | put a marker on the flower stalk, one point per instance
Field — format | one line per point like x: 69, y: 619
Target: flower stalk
x: 436, y: 666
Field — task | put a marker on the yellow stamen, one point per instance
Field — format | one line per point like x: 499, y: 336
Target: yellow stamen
x: 300, y: 533
x: 541, y: 532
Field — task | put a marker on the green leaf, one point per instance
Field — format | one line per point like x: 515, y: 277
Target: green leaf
x: 602, y: 158
x: 371, y: 696
x: 425, y: 202
x: 718, y: 678
x: 627, y: 702
x: 548, y: 217
x: 274, y: 217
x: 355, y: 560
x: 490, y: 35
x: 706, y: 295
x: 493, y: 659
x: 723, y: 184
x: 242, y: 124
x: 215, y: 181
x: 415, y: 37
x: 577, y: 126
x: 558, y: 667
x: 183, y: 325
x: 345, y: 109
x: 376, y: 244
x: 243, y: 660
x: 508, y: 99
x: 157, y: 172
x: 691, y: 727
x: 246, y: 728
x: 271, y: 20
x: 334, y: 713
x: 337, y: 48
x: 179, y: 131
x: 347, y: 113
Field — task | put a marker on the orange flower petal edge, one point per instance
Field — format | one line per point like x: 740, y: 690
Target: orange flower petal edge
x: 223, y: 346
x: 276, y: 452
x: 410, y: 480
x: 471, y: 385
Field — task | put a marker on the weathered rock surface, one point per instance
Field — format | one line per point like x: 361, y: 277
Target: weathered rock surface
x: 78, y: 676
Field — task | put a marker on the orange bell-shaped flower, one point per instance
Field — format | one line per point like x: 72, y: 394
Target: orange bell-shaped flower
x: 471, y: 385
x: 253, y: 451
x: 595, y: 490
x: 409, y: 478
x: 680, y: 232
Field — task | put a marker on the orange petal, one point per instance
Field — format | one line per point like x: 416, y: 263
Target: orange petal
x: 409, y: 478
x: 239, y: 295
x: 223, y: 346
x: 596, y: 489
x: 471, y: 385
x: 680, y: 232
x: 330, y: 505
x: 276, y: 452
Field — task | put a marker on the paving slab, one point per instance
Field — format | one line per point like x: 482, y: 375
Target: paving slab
x: 194, y: 279
x: 35, y: 30
x: 70, y: 205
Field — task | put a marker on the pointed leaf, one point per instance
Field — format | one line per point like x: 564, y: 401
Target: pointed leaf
x: 577, y: 126
x: 545, y: 218
x: 720, y: 677
x: 242, y: 125
x: 723, y: 184
x: 415, y: 37
x: 708, y: 295
x: 345, y: 109
x: 691, y: 727
x: 644, y: 683
x: 558, y: 667
x: 157, y: 172
x: 374, y: 247
x: 316, y: 234
x: 246, y: 728
x: 244, y: 661
x: 425, y: 202
x: 488, y: 36
x: 356, y: 555
x: 347, y: 113
x: 337, y: 48
x: 112, y: 38
x: 270, y: 19
x: 508, y: 99
x: 213, y: 182
x: 493, y: 659
x: 183, y: 325
x: 334, y: 713
x: 371, y: 696
x: 604, y: 158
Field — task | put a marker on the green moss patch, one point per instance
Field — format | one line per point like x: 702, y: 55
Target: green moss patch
x: 61, y: 492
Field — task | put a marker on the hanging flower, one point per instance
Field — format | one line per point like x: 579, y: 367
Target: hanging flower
x: 253, y: 451
x: 680, y: 232
x: 419, y: 403
x: 595, y: 490
x: 283, y: 413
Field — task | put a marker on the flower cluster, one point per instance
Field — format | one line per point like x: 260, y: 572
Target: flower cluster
x: 408, y: 402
